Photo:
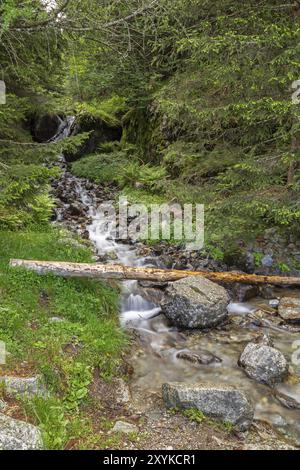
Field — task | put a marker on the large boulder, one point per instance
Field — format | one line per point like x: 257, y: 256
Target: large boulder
x: 100, y: 132
x: 195, y: 302
x: 263, y: 363
x: 45, y: 127
x: 289, y: 309
x: 222, y: 402
x: 18, y: 435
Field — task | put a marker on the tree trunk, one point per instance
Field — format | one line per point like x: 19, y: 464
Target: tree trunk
x: 114, y: 271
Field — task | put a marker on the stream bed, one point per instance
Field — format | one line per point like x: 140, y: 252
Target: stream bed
x: 165, y: 353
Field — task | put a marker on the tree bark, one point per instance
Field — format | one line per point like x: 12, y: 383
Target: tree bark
x: 114, y: 271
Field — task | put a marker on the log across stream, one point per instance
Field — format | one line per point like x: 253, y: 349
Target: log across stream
x: 121, y: 272
x: 161, y: 352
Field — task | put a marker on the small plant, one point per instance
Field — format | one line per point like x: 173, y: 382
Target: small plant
x: 194, y: 415
x: 284, y: 268
x: 257, y: 258
x: 79, y: 377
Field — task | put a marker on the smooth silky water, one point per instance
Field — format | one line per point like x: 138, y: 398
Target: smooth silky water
x: 156, y: 361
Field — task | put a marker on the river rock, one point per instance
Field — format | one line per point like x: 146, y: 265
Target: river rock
x: 200, y: 356
x: 263, y: 363
x: 18, y: 435
x: 223, y: 402
x: 287, y: 401
x: 289, y: 309
x: 243, y: 292
x: 267, y: 261
x: 29, y: 386
x: 195, y: 302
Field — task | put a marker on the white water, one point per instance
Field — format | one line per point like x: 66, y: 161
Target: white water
x: 157, y: 362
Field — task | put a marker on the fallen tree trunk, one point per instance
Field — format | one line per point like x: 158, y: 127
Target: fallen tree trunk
x: 114, y: 271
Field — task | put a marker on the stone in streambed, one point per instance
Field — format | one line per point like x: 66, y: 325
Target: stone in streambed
x: 195, y: 302
x: 200, y: 357
x: 287, y: 401
x: 18, y: 435
x: 263, y: 363
x: 222, y: 402
x: 289, y: 309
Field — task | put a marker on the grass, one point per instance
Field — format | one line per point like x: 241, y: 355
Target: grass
x: 101, y: 168
x: 195, y: 415
x: 65, y: 353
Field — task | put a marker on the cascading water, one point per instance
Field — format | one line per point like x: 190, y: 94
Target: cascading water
x: 164, y: 349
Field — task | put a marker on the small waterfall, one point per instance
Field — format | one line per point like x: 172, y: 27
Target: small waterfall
x: 156, y: 359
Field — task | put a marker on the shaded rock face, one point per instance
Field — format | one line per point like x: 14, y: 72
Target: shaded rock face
x: 18, y: 435
x: 45, y: 127
x: 195, y: 302
x: 289, y: 309
x: 243, y: 292
x: 263, y: 363
x: 222, y: 402
x: 100, y: 133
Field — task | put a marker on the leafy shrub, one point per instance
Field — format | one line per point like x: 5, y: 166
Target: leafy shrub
x: 102, y: 167
x: 149, y: 177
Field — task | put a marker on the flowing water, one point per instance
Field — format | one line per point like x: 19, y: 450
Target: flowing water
x: 163, y: 351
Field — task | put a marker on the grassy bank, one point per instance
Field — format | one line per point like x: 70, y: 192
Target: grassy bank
x: 65, y: 353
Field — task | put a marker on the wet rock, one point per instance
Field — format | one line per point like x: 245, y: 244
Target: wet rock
x: 153, y: 284
x: 289, y: 309
x: 223, y: 402
x: 124, y: 427
x: 267, y: 261
x: 18, y: 435
x: 112, y: 255
x: 45, y: 127
x: 198, y: 357
x: 266, y: 291
x: 263, y: 363
x: 28, y: 386
x: 287, y: 401
x: 153, y: 295
x: 244, y: 292
x: 195, y: 302
x: 274, y: 303
x: 76, y: 210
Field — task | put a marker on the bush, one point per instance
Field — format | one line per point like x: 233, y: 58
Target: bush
x: 102, y: 167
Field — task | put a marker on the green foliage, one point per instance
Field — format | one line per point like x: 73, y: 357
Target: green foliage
x: 102, y: 167
x: 194, y: 415
x: 65, y: 353
x: 50, y: 416
x: 108, y: 110
x: 147, y: 176
x: 79, y: 377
